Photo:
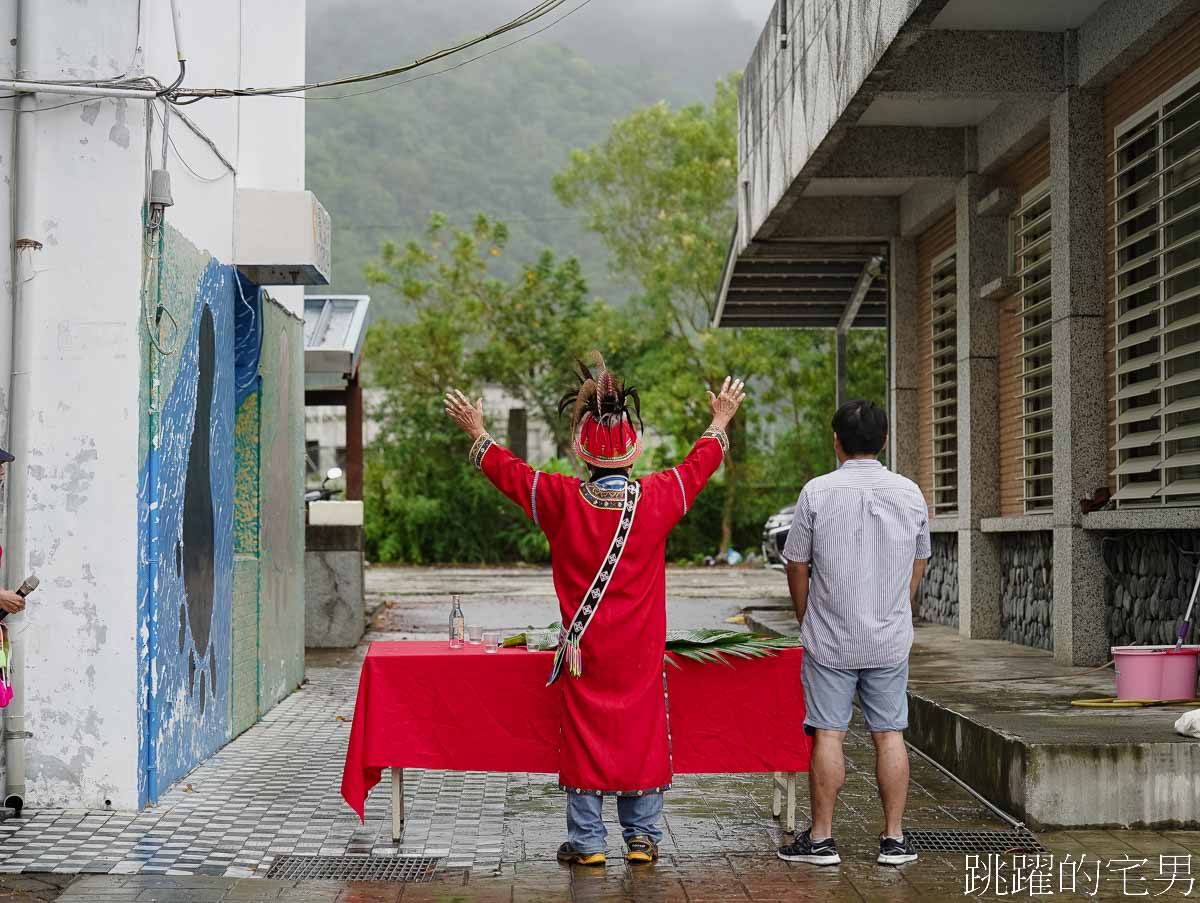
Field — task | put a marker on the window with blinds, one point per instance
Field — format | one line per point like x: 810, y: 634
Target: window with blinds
x: 1031, y: 269
x: 1157, y: 303
x: 943, y: 292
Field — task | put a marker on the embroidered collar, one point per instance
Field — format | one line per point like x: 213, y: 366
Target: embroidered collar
x: 612, y: 481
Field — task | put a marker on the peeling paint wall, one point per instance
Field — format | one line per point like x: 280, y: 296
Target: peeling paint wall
x: 87, y: 636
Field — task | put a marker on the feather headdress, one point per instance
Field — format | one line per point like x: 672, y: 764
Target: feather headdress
x: 602, y: 416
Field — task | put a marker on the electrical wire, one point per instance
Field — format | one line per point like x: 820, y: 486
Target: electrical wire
x: 409, y: 81
x: 168, y: 139
x: 534, y: 13
x: 171, y: 88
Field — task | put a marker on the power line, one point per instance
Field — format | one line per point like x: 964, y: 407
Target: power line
x: 536, y: 12
x: 409, y: 81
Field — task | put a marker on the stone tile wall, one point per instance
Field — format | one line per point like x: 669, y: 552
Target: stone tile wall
x: 1148, y: 583
x: 1027, y: 589
x: 937, y: 600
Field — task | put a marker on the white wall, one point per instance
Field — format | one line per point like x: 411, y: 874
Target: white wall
x: 87, y: 186
x: 81, y: 536
x: 271, y: 150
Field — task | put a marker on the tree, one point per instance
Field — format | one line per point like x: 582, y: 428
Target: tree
x: 535, y: 333
x: 464, y: 327
x: 659, y: 191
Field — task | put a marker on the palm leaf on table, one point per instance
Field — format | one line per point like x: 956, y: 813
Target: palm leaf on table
x: 709, y: 645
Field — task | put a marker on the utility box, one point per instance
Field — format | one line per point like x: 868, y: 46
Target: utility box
x: 334, y: 598
x: 282, y: 237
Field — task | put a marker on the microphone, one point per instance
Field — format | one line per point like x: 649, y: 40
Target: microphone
x: 31, y: 583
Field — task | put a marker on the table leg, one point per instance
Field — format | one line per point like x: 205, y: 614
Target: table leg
x: 776, y: 794
x: 789, y: 824
x: 397, y: 804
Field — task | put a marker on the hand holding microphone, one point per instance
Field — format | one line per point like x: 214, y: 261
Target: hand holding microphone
x: 11, y: 603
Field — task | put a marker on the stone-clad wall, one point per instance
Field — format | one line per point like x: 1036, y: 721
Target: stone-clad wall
x: 1149, y: 582
x: 1027, y: 589
x: 938, y: 597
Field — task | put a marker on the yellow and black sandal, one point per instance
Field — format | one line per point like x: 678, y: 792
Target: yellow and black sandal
x: 641, y: 850
x: 569, y: 855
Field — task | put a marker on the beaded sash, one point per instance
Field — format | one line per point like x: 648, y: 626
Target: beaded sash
x: 570, y: 652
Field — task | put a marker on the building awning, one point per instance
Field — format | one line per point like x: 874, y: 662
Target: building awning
x: 335, y: 327
x: 805, y: 284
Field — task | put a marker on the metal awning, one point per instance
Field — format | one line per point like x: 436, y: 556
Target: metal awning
x: 335, y: 327
x: 805, y: 284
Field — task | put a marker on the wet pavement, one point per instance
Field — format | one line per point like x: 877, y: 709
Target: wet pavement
x: 274, y: 792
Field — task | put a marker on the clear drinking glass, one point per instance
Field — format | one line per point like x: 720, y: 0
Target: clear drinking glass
x: 491, y: 640
x: 533, y: 640
x: 475, y: 634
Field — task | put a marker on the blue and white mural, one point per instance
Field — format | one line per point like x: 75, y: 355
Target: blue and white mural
x: 186, y: 575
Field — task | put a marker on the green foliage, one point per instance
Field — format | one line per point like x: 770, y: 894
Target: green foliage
x: 658, y: 193
x: 709, y: 645
x: 463, y: 325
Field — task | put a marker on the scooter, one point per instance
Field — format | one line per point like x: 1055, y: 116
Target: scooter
x: 325, y: 492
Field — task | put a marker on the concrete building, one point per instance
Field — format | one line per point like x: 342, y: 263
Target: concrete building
x: 156, y: 398
x: 1011, y: 187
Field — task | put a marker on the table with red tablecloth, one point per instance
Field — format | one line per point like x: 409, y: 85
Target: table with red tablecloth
x: 424, y: 705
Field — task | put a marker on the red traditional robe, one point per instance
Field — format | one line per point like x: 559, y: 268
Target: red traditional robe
x: 616, y: 738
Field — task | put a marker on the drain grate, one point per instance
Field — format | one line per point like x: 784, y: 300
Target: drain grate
x: 411, y: 869
x: 952, y: 840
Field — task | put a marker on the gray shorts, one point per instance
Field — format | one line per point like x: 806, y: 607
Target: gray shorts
x: 829, y: 696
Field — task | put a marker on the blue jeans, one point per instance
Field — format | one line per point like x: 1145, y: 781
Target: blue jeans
x: 585, y: 819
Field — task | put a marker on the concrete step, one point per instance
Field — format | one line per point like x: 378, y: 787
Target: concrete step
x: 999, y: 717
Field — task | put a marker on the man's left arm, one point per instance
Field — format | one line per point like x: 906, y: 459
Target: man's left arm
x: 920, y: 561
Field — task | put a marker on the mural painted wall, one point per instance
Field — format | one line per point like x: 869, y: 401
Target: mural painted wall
x: 281, y: 488
x: 221, y: 539
x: 243, y: 700
x: 186, y: 516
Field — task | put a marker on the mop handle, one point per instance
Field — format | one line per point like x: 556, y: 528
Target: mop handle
x: 1187, y: 618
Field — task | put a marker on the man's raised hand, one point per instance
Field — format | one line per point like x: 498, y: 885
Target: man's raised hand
x: 469, y: 417
x: 726, y: 404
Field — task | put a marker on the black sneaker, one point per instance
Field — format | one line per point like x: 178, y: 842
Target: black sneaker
x: 804, y: 849
x: 895, y: 852
x: 568, y: 855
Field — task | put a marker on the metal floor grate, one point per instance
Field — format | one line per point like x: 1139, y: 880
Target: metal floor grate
x: 955, y: 840
x: 411, y: 869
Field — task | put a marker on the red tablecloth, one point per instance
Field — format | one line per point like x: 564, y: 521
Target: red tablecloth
x: 423, y: 705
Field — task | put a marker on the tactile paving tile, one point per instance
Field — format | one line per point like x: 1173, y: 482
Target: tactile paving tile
x: 272, y: 792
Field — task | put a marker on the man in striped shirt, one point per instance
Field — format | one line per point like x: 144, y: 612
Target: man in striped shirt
x: 855, y: 556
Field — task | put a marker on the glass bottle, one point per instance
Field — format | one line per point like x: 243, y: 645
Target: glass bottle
x: 458, y: 625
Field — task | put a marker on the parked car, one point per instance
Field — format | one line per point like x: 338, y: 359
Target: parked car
x: 775, y: 533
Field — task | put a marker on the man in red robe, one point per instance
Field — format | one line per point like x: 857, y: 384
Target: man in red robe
x: 608, y: 556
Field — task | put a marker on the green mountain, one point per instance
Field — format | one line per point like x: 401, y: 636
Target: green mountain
x: 488, y: 136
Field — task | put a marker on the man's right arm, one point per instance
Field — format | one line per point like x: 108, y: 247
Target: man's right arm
x: 797, y: 552
x: 797, y: 577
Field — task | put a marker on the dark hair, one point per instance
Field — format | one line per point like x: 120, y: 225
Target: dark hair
x: 862, y: 427
x: 599, y: 473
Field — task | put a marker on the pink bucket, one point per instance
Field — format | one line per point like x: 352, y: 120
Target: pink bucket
x: 1156, y: 672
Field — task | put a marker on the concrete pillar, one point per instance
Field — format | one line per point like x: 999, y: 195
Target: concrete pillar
x: 1077, y: 172
x: 982, y: 249
x: 903, y: 346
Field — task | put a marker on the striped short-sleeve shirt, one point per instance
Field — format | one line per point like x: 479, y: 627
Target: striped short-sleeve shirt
x: 859, y: 528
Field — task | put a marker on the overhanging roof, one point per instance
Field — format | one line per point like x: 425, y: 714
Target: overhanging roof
x: 805, y: 284
x: 335, y: 327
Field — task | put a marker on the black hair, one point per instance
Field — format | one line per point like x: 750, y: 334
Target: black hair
x: 599, y: 473
x: 862, y: 427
